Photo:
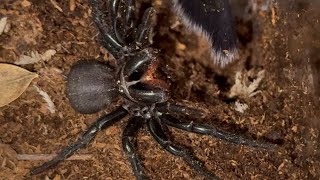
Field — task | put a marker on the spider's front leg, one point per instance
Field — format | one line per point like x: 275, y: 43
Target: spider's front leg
x: 120, y: 35
x: 115, y: 26
x: 109, y: 39
x: 144, y: 34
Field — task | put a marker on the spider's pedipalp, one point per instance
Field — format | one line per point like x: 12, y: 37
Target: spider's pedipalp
x: 215, y: 132
x: 84, y: 140
x: 156, y: 130
x: 129, y: 146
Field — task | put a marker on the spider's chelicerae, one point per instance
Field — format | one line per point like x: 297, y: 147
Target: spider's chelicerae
x: 92, y: 86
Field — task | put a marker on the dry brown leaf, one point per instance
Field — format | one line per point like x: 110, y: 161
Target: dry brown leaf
x: 14, y: 81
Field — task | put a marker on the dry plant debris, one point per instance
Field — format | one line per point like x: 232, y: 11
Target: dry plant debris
x: 35, y: 57
x: 51, y: 107
x: 240, y: 107
x: 243, y: 88
x: 14, y: 81
x: 3, y: 25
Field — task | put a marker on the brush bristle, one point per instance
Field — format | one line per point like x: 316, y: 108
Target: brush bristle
x: 212, y: 20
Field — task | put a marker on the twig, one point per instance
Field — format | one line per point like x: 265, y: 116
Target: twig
x: 46, y: 157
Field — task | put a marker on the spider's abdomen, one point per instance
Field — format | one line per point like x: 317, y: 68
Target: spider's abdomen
x: 91, y: 86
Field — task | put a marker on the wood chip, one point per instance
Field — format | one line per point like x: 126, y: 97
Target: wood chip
x: 55, y: 4
x: 3, y: 24
x: 25, y: 3
x: 72, y: 5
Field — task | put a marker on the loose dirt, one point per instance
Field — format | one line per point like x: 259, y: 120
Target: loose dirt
x: 279, y: 44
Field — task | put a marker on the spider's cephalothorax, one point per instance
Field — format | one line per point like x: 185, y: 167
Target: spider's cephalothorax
x: 92, y: 86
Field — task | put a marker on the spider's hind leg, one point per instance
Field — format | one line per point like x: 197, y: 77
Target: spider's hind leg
x: 129, y: 146
x: 84, y: 140
x: 156, y: 129
x: 168, y: 108
x: 215, y: 132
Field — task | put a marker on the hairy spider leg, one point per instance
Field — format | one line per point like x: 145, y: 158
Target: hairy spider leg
x: 129, y: 146
x: 213, y: 131
x: 156, y: 130
x: 144, y: 34
x: 100, y: 124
